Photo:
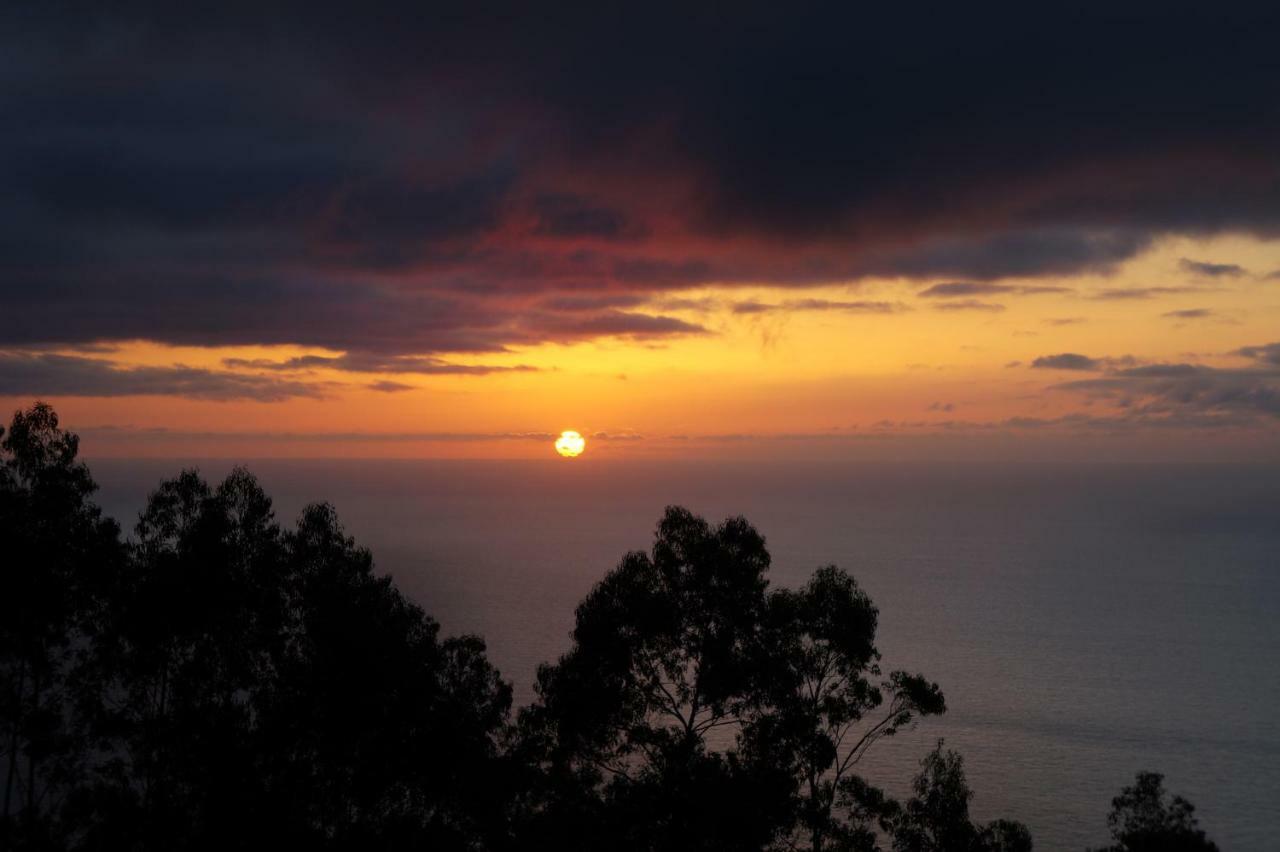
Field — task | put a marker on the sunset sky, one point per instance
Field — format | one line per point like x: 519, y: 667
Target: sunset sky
x: 756, y: 230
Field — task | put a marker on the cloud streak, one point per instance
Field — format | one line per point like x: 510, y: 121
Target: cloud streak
x: 1212, y: 270
x: 36, y: 374
x: 969, y: 305
x: 1067, y: 361
x: 954, y: 289
x: 1178, y: 391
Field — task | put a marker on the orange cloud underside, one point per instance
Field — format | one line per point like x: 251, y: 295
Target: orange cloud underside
x: 809, y: 363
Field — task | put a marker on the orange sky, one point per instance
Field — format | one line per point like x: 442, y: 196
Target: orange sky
x: 911, y: 376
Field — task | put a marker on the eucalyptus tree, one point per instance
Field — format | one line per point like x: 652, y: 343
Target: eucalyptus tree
x: 1144, y: 818
x: 187, y: 652
x: 642, y: 710
x: 830, y: 703
x: 377, y: 732
x: 273, y: 675
x: 58, y: 552
x: 936, y: 817
x: 706, y: 711
x: 219, y: 682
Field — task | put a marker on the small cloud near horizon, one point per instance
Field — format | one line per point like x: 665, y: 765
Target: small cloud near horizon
x: 1211, y: 270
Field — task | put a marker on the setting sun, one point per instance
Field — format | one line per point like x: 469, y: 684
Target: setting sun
x: 570, y: 444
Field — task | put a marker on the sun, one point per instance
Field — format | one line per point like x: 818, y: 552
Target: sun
x: 570, y: 444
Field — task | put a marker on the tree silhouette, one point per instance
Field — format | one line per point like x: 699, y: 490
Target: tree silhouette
x: 710, y: 713
x: 59, y: 552
x: 936, y: 818
x: 186, y: 653
x: 1144, y: 819
x: 218, y: 681
x: 821, y: 669
x: 221, y: 683
x: 377, y: 733
x: 663, y: 658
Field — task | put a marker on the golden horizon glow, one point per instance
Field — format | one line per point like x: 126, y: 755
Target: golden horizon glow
x: 799, y: 372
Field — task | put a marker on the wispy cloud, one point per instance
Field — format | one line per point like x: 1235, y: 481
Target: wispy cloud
x: 969, y: 305
x: 51, y: 374
x: 1176, y: 390
x: 795, y: 305
x: 372, y: 362
x: 1267, y: 354
x: 1212, y: 270
x: 1132, y: 293
x: 955, y: 289
x: 1067, y: 361
x: 1189, y: 314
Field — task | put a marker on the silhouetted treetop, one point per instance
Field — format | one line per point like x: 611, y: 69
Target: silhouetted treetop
x: 936, y: 817
x: 220, y: 680
x: 684, y: 665
x: 1144, y: 818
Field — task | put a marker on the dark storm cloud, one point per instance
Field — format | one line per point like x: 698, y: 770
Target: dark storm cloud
x: 1017, y: 249
x: 409, y: 179
x: 31, y: 374
x: 1067, y: 361
x: 594, y: 302
x: 1211, y: 270
x: 562, y: 215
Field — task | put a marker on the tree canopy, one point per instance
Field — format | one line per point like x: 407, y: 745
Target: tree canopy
x: 216, y: 680
x: 1144, y: 818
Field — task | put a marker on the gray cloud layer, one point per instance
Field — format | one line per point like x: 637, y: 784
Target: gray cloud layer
x: 26, y: 374
x: 417, y: 182
x: 1181, y: 390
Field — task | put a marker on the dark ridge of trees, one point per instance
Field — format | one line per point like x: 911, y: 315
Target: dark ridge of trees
x: 218, y: 681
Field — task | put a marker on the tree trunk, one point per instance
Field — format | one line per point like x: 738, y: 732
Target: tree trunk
x: 13, y: 739
x: 816, y: 837
x: 32, y: 760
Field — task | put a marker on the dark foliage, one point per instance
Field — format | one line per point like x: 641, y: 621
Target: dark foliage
x: 936, y: 818
x: 61, y: 558
x: 1144, y: 819
x: 219, y: 682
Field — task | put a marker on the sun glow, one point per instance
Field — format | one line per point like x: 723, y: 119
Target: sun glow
x: 570, y: 444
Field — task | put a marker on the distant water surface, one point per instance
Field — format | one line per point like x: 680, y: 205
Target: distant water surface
x: 1085, y: 622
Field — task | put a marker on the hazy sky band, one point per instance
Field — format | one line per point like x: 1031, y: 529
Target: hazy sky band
x: 463, y: 187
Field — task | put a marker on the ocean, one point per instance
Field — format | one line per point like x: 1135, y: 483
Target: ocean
x: 1085, y: 621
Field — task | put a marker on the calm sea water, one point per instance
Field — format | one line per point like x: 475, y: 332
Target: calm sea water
x: 1084, y: 622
